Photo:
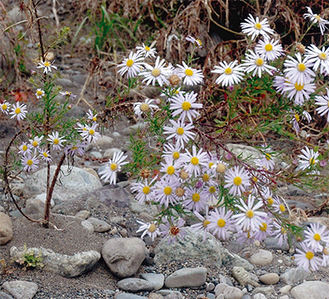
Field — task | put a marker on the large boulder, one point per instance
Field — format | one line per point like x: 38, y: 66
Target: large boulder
x: 6, y: 229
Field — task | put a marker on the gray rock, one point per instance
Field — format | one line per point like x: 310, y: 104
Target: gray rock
x: 228, y: 291
x: 267, y: 291
x: 83, y: 214
x: 72, y: 182
x: 61, y: 264
x: 100, y: 226
x: 157, y: 280
x: 284, y: 290
x: 96, y: 154
x: 5, y: 296
x: 262, y: 258
x: 311, y: 290
x: 292, y: 275
x: 244, y: 151
x: 134, y: 129
x: 284, y: 297
x: 36, y: 205
x: 259, y: 296
x: 174, y: 295
x: 155, y: 296
x: 187, y: 277
x: 124, y: 256
x: 67, y: 83
x: 21, y: 289
x: 269, y: 278
x: 272, y: 243
x: 110, y: 152
x: 128, y: 296
x: 135, y: 285
x: 88, y: 226
x: 6, y: 229
x: 244, y: 277
x: 170, y: 293
x: 104, y: 141
x: 191, y: 247
x: 231, y: 260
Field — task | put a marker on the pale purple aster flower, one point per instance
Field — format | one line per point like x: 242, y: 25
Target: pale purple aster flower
x: 25, y: 149
x: 195, y: 199
x: 91, y: 115
x: 202, y: 226
x: 316, y: 19
x: 68, y: 94
x: 132, y: 65
x: 245, y: 237
x: 315, y: 234
x: 170, y: 167
x: 237, y: 179
x: 254, y: 27
x: 39, y: 94
x: 278, y: 83
x: 35, y: 142
x: 257, y: 64
x: 151, y: 229
x: 185, y: 105
x: 250, y: 219
x: 299, y: 92
x: 56, y: 141
x: 144, y: 107
x: 174, y: 230
x: 221, y: 223
x: 180, y: 132
x: 193, y: 40
x: 194, y: 160
x: 47, y: 66
x: 112, y: 167
x: 144, y: 190
x: 30, y: 163
x: 264, y: 230
x: 279, y: 232
x: 323, y: 102
x: 306, y: 258
x: 278, y: 206
x: 146, y: 51
x: 229, y: 73
x: 308, y: 158
x: 164, y: 191
x: 189, y: 75
x: 270, y: 48
x: 320, y: 58
x: 157, y: 73
x: 171, y: 150
x: 4, y: 107
x: 89, y: 133
x: 19, y: 111
x: 45, y: 154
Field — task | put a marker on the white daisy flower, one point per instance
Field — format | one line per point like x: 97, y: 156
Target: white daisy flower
x: 45, y: 155
x: 267, y: 195
x: 40, y: 93
x: 30, y: 163
x: 279, y: 232
x: 89, y: 133
x: 269, y: 48
x: 113, y: 166
x: 194, y: 41
x: 278, y: 83
x: 146, y: 51
x: 170, y: 167
x: 256, y: 63
x: 157, y: 73
x: 194, y: 160
x: 306, y: 258
x: 185, y: 105
x: 221, y: 223
x: 195, y: 199
x: 307, y: 159
x: 315, y: 234
x: 174, y: 230
x: 171, y: 151
x: 299, y: 92
x: 144, y: 190
x: 36, y: 142
x: 4, y: 107
x: 316, y: 19
x: 323, y: 102
x: 68, y: 94
x: 25, y: 149
x: 250, y: 219
x: 254, y: 27
x: 264, y: 230
x: 298, y: 70
x: 56, y: 141
x: 230, y: 74
x: 237, y: 179
x: 132, y: 65
x: 164, y: 191
x: 180, y: 131
x: 19, y: 111
x: 47, y: 66
x: 151, y: 229
x: 189, y: 75
x: 92, y: 115
x: 144, y: 107
x: 203, y: 225
x: 320, y: 58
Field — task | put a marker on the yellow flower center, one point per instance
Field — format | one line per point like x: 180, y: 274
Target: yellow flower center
x: 147, y: 48
x: 268, y: 157
x: 167, y: 190
x: 4, y: 106
x: 39, y: 92
x: 212, y: 189
x: 180, y: 131
x: 312, y: 161
x: 94, y: 118
x: 258, y: 26
x: 18, y: 110
x: 152, y: 228
x: 263, y: 227
x: 282, y: 208
x: 144, y: 107
x: 175, y: 155
x: 156, y: 72
x: 297, y: 116
x: 91, y: 132
x: 250, y: 214
x: 56, y: 141
x: 206, y: 177
x: 237, y: 181
x: 35, y: 143
x: 254, y: 179
x: 195, y: 161
x: 318, y: 18
x: 210, y: 164
x: 317, y: 237
x: 171, y: 170
x: 221, y: 222
x: 45, y: 154
x: 199, y: 42
x: 259, y: 61
x: 196, y: 197
x: 228, y: 71
x: 29, y: 162
x: 268, y: 47
x: 301, y: 67
x: 24, y: 147
x: 299, y: 87
x: 129, y: 63
x: 188, y: 72
x: 270, y: 201
x: 47, y: 64
x: 146, y: 189
x: 114, y: 166
x: 205, y: 223
x: 186, y: 106
x: 220, y: 168
x: 323, y: 56
x: 309, y: 255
